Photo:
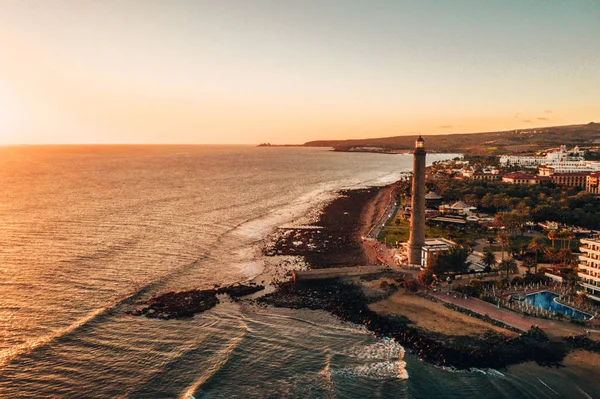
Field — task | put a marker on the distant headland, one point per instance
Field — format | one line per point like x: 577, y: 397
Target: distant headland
x: 279, y: 145
x: 488, y: 143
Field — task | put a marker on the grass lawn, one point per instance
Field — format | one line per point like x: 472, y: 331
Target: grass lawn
x: 396, y: 233
x: 393, y: 233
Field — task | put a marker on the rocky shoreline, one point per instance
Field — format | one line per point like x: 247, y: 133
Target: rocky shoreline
x: 184, y: 304
x: 585, y: 343
x: 337, y: 243
x: 334, y: 240
x: 347, y: 301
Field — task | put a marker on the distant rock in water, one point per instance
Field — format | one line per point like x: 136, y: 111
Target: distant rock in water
x: 176, y: 305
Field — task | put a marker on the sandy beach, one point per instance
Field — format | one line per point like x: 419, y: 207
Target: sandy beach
x: 433, y: 317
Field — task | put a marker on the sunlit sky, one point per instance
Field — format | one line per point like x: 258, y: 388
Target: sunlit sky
x: 287, y: 71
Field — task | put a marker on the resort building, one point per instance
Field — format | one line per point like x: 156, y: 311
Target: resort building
x: 487, y: 176
x: 433, y: 200
x: 523, y: 178
x: 522, y: 160
x: 560, y: 156
x: 458, y: 208
x: 592, y: 183
x: 589, y: 267
x: 569, y: 167
x: 433, y: 246
x: 575, y: 179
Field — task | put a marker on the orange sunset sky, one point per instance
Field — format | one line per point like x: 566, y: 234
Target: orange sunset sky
x: 291, y: 71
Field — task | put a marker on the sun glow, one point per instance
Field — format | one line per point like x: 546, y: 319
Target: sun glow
x: 9, y: 117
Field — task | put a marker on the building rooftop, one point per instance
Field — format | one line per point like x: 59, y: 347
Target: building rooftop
x: 572, y: 174
x: 461, y: 205
x: 519, y: 175
x: 438, y: 243
x: 432, y: 196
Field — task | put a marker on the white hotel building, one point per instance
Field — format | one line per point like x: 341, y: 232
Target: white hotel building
x: 552, y: 158
x: 589, y: 267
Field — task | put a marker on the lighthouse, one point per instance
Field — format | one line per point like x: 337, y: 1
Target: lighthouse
x: 417, y: 217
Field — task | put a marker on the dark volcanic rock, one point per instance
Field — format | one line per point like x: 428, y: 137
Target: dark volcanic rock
x: 238, y: 290
x: 175, y: 305
x: 583, y: 342
x: 180, y: 304
x: 337, y: 243
x: 349, y: 303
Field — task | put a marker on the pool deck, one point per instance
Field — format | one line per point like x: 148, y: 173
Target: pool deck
x: 554, y: 328
x: 524, y: 295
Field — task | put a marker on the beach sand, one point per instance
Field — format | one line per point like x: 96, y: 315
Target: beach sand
x: 433, y: 316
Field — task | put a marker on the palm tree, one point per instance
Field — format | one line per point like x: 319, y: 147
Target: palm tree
x: 529, y: 263
x: 509, y: 266
x: 453, y: 260
x: 570, y: 237
x: 489, y: 258
x: 562, y: 236
x: 537, y: 246
x: 457, y: 257
x: 573, y: 282
x: 503, y: 240
x: 552, y: 236
x: 552, y: 255
x: 513, y: 249
x: 566, y: 257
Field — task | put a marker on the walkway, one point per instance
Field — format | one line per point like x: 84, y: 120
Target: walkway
x: 552, y: 327
x: 321, y: 274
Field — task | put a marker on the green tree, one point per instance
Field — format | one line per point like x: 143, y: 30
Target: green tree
x: 426, y: 277
x: 552, y: 235
x: 537, y: 246
x: 570, y: 236
x: 475, y: 287
x: 503, y: 240
x: 512, y: 221
x: 529, y: 264
x: 566, y: 258
x: 452, y: 261
x: 489, y: 258
x: 509, y: 266
x: 573, y: 282
x: 562, y: 236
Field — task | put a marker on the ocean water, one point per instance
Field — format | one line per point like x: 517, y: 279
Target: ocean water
x: 87, y: 232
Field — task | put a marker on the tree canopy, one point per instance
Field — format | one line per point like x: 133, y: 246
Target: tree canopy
x: 452, y: 261
x: 541, y: 202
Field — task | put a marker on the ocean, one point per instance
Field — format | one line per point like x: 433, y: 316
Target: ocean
x: 87, y: 232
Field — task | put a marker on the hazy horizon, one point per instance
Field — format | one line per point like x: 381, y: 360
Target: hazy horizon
x: 245, y: 72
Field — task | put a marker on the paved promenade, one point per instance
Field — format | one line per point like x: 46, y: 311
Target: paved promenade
x: 353, y: 271
x: 552, y: 327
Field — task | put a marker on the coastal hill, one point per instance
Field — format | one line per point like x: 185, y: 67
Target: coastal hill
x: 489, y: 143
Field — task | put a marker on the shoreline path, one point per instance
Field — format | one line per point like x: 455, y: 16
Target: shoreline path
x: 551, y: 327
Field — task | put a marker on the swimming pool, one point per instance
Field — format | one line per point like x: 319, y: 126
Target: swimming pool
x: 547, y: 300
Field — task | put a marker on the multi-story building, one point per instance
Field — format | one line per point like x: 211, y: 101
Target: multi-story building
x: 522, y: 160
x: 592, y: 183
x: 486, y: 176
x: 523, y: 178
x: 576, y: 179
x: 589, y: 267
x: 555, y: 157
x: 433, y: 246
x: 549, y: 169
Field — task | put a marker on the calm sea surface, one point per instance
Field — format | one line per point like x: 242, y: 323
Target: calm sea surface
x: 86, y: 232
